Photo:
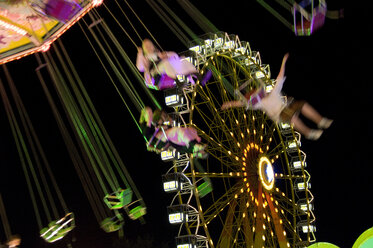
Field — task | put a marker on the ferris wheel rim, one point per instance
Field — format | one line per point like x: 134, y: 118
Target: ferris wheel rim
x: 192, y: 122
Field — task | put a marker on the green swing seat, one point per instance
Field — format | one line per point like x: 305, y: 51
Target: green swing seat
x: 112, y: 224
x: 58, y: 229
x: 204, y: 188
x: 135, y: 210
x: 118, y: 199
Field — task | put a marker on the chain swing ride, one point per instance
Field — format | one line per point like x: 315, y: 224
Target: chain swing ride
x: 253, y: 190
x: 104, y: 177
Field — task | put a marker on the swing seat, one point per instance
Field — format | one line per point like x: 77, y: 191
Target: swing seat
x: 165, y: 82
x: 204, y: 189
x: 305, y: 22
x: 151, y: 148
x: 309, y: 27
x: 112, y: 224
x: 161, y: 82
x: 135, y: 210
x: 56, y: 230
x: 118, y: 199
x: 62, y: 10
x: 318, y: 21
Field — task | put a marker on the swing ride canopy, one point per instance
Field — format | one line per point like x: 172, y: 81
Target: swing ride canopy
x: 24, y: 30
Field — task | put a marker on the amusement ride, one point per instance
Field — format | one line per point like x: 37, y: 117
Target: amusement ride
x: 252, y: 189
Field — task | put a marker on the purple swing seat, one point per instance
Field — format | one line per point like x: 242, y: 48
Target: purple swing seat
x: 62, y: 10
x: 165, y: 82
x: 317, y: 21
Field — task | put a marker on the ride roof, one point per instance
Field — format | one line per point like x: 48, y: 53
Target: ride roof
x: 26, y: 29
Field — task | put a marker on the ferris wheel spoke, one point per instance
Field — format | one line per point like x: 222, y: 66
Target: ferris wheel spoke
x: 237, y: 127
x: 225, y: 160
x: 276, y: 150
x: 216, y: 175
x: 266, y: 129
x: 260, y: 219
x: 234, y: 66
x: 282, y: 204
x: 237, y: 229
x: 246, y: 225
x: 220, y: 144
x: 203, y: 115
x: 220, y: 204
x: 281, y: 224
x: 213, y: 138
x: 219, y: 67
x: 291, y: 177
x: 273, y: 221
x: 215, y: 149
x: 215, y: 133
x: 277, y: 223
x: 225, y: 238
x: 215, y: 125
x: 215, y: 101
x: 211, y: 99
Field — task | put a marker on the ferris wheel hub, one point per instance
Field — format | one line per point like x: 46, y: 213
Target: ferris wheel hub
x: 266, y: 173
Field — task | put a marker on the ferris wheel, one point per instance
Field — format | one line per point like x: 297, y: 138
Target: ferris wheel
x: 253, y: 190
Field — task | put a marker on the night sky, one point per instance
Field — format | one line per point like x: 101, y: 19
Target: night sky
x: 326, y: 69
